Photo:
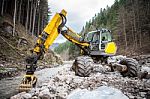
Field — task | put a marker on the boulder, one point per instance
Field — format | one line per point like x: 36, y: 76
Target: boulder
x: 102, y: 92
x: 26, y: 96
x: 45, y: 94
x: 18, y: 96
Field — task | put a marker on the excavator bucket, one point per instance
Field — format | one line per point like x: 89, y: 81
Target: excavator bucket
x: 28, y: 82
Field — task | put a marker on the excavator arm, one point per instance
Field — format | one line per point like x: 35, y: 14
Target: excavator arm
x: 75, y: 38
x: 47, y: 37
x: 50, y: 33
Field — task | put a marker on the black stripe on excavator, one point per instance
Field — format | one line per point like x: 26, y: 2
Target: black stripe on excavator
x: 43, y: 37
x: 63, y: 22
x: 30, y: 69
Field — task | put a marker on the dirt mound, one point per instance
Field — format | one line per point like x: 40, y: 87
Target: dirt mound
x: 15, y: 46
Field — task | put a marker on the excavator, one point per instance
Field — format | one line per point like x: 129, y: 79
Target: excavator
x: 96, y: 47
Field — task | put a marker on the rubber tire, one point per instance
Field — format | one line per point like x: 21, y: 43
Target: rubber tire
x: 83, y: 66
x: 132, y: 67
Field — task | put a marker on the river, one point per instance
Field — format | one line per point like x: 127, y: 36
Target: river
x: 8, y: 86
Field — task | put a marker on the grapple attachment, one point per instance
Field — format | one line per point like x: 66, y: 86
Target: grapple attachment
x: 28, y: 82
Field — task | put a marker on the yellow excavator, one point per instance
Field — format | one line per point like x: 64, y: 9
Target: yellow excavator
x: 96, y: 46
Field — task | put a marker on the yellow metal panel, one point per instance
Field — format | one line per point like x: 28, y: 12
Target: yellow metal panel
x: 52, y: 29
x: 55, y: 22
x: 111, y: 48
x: 36, y: 49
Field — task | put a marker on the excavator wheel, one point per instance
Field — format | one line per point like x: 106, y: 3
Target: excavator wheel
x: 132, y: 67
x: 83, y: 66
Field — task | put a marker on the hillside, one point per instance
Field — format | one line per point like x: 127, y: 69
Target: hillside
x: 13, y: 48
x: 130, y: 25
x: 19, y: 29
x: 67, y: 50
x: 129, y: 22
x: 20, y: 22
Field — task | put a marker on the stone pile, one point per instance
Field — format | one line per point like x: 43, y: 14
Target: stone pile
x: 65, y: 82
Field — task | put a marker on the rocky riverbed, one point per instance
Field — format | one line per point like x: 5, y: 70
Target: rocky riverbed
x: 64, y: 82
x: 9, y: 85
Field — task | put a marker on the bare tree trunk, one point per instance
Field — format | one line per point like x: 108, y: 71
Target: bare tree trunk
x: 139, y: 28
x: 14, y: 18
x: 19, y: 10
x: 42, y: 21
x: 134, y: 21
x: 30, y: 25
x: 124, y: 30
x: 33, y: 24
x: 133, y: 40
x: 125, y: 35
x: 39, y: 23
x: 27, y: 19
x: 140, y: 40
x: 5, y: 7
x: 2, y: 11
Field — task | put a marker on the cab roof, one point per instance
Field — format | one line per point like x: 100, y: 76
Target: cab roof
x: 102, y: 30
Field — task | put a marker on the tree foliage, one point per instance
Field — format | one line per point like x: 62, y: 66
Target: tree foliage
x: 72, y: 49
x: 129, y: 21
x: 62, y: 47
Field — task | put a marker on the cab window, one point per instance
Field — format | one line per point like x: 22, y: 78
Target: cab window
x: 106, y: 36
x: 89, y: 37
x: 95, y: 37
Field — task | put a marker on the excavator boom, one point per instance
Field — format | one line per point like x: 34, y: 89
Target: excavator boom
x: 97, y: 45
x: 50, y: 32
x: 47, y: 37
x: 44, y: 40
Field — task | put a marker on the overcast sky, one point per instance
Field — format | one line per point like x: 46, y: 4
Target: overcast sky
x: 78, y: 11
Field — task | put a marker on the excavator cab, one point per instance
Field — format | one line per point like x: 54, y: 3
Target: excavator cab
x: 101, y: 43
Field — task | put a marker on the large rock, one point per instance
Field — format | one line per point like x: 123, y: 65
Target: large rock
x: 18, y: 96
x: 144, y: 73
x: 100, y: 68
x: 103, y: 92
x: 26, y: 96
x: 144, y: 68
x: 45, y: 94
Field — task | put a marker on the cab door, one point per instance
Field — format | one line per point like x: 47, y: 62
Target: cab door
x: 105, y: 38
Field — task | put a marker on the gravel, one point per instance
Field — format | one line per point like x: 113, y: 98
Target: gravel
x: 65, y: 82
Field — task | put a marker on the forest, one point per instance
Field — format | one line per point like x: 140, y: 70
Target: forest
x: 21, y: 21
x: 30, y: 69
x: 129, y: 22
x: 32, y: 14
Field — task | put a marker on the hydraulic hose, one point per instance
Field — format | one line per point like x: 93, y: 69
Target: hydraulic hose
x: 63, y: 22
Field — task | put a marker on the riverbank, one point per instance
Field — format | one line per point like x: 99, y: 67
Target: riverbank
x: 9, y: 85
x: 60, y: 82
